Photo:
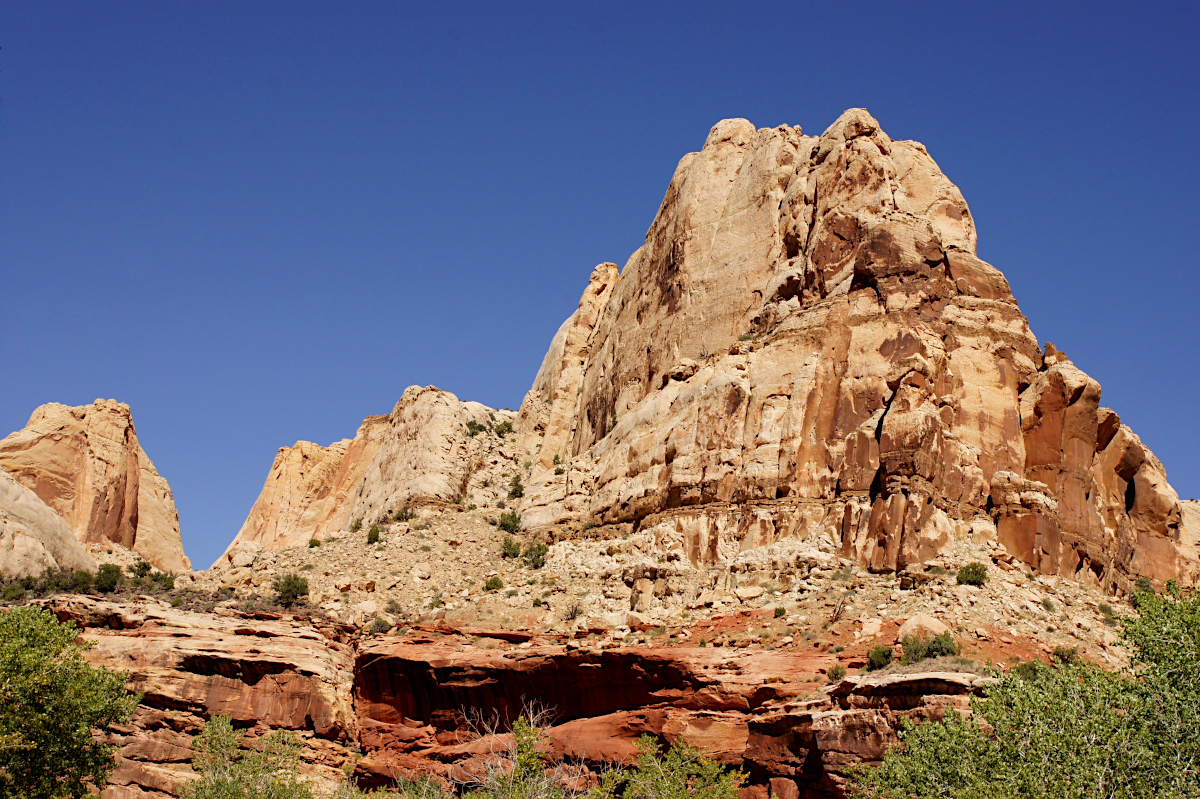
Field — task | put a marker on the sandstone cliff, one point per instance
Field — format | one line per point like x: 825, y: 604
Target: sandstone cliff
x: 808, y: 345
x: 87, y: 465
x: 432, y: 448
x: 33, y: 537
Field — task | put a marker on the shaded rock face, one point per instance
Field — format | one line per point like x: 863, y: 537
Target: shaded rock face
x: 87, y: 465
x: 33, y: 537
x: 412, y: 702
x: 807, y: 344
x: 423, y: 452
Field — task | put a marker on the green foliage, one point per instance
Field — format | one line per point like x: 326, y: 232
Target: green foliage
x: 493, y: 584
x: 1048, y: 604
x: 836, y: 672
x: 290, y: 589
x: 503, y: 429
x: 972, y: 574
x: 373, y: 534
x: 474, y: 428
x: 51, y: 700
x: 879, y: 657
x: 14, y: 592
x: 269, y: 771
x: 780, y: 613
x: 510, y: 521
x: 918, y: 649
x: 510, y: 547
x: 515, y: 489
x: 313, y: 543
x: 140, y: 568
x: 165, y: 581
x: 354, y: 528
x: 1067, y: 655
x: 535, y: 554
x: 559, y: 470
x: 680, y: 774
x: 404, y: 514
x: 108, y: 577
x: 1072, y: 731
x: 537, y: 603
x: 380, y: 626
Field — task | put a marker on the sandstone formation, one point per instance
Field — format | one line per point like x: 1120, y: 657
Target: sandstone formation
x: 807, y: 345
x: 33, y: 537
x: 423, y: 452
x: 87, y: 465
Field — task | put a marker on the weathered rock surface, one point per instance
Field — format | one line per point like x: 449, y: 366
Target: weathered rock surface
x: 423, y: 452
x: 265, y: 673
x: 806, y: 345
x: 33, y: 537
x: 87, y: 465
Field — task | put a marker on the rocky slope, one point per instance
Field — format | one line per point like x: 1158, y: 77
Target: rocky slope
x: 86, y: 464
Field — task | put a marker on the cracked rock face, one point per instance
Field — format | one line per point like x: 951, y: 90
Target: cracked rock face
x: 808, y: 345
x: 86, y: 465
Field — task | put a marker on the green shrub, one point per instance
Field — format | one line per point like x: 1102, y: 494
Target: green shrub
x: 510, y: 547
x: 503, y: 429
x: 373, y: 534
x: 515, y: 489
x: 354, y: 528
x: 108, y: 577
x: 917, y: 648
x: 972, y: 574
x: 82, y: 581
x: 290, y: 589
x: 836, y: 672
x: 165, y: 581
x: 177, y: 602
x: 681, y: 773
x: 380, y: 626
x: 404, y: 514
x: 537, y: 603
x: 1048, y: 604
x: 1066, y: 655
x: 474, y: 428
x: 140, y: 568
x: 313, y: 543
x: 879, y: 657
x: 559, y: 470
x: 493, y: 584
x: 535, y: 554
x: 1129, y: 733
x: 780, y: 613
x: 53, y: 701
x: 269, y: 771
x: 510, y: 521
x: 13, y: 592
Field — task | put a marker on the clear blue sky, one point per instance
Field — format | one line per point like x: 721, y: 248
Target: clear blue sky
x: 259, y: 222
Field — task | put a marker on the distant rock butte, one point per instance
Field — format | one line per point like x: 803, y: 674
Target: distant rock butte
x: 423, y: 452
x: 806, y: 345
x: 87, y: 466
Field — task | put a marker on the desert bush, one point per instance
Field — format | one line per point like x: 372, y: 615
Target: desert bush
x: 535, y: 554
x: 269, y: 771
x: 516, y: 489
x: 559, y: 470
x: 13, y: 592
x: 108, y: 577
x: 140, y: 568
x: 290, y: 589
x: 972, y: 574
x: 510, y: 547
x: 404, y: 514
x: 780, y: 612
x: 1066, y: 655
x: 373, y: 534
x: 510, y: 521
x: 503, y: 429
x: 354, y: 528
x: 681, y: 773
x: 1129, y: 734
x: 313, y: 543
x: 53, y: 701
x: 493, y: 584
x: 918, y: 648
x: 879, y: 657
x: 380, y: 626
x: 474, y: 428
x: 836, y: 673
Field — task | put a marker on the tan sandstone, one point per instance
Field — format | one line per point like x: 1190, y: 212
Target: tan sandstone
x: 33, y: 537
x: 87, y: 465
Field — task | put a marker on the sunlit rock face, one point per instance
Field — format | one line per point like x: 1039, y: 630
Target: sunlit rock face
x: 808, y: 345
x: 86, y: 464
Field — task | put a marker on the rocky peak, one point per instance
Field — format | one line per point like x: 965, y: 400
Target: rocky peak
x: 85, y: 463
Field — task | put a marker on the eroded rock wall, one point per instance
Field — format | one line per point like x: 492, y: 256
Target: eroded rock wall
x: 33, y: 537
x: 807, y: 344
x: 87, y: 465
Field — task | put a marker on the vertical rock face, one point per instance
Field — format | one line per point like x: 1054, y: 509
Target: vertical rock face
x: 432, y: 448
x: 87, y: 465
x: 807, y: 344
x: 33, y: 537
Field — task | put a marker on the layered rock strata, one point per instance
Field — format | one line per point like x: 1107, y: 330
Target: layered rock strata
x: 87, y: 465
x: 431, y: 449
x: 807, y: 344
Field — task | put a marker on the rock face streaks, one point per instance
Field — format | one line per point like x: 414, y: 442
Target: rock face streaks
x: 86, y: 464
x: 33, y: 537
x: 807, y: 344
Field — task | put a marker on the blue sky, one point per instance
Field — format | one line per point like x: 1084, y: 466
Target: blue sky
x: 259, y: 222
